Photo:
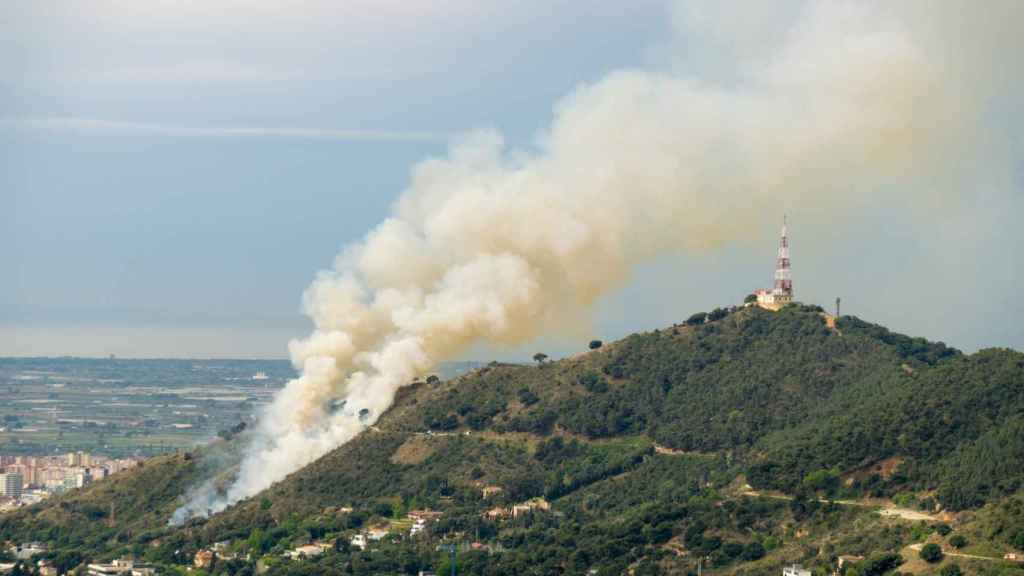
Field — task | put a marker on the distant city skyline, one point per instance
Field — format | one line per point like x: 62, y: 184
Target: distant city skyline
x: 172, y: 178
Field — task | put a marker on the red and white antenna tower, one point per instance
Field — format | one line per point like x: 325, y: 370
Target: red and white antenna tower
x: 783, y: 276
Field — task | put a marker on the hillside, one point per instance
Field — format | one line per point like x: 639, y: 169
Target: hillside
x: 642, y: 448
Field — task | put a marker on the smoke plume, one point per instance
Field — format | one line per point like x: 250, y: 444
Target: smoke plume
x: 499, y: 245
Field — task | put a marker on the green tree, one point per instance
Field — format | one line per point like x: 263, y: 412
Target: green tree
x: 595, y: 344
x: 1018, y: 540
x: 750, y: 299
x: 593, y: 382
x: 957, y: 541
x: 717, y: 314
x: 879, y: 564
x: 527, y: 397
x: 540, y: 357
x: 732, y: 549
x: 822, y: 480
x: 398, y: 509
x: 753, y: 551
x: 931, y: 553
x: 64, y: 562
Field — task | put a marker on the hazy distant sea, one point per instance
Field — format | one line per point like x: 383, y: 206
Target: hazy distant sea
x: 134, y: 407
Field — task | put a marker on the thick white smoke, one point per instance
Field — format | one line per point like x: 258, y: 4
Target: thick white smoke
x: 498, y: 245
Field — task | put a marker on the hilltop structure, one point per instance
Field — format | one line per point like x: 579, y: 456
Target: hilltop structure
x: 782, y: 291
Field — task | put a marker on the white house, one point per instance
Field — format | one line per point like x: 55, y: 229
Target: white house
x: 307, y: 551
x: 121, y: 566
x: 27, y: 551
x: 795, y: 570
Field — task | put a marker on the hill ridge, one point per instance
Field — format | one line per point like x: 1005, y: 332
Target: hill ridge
x: 776, y: 398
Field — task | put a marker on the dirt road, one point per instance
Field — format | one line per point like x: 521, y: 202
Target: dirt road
x: 885, y: 509
x: 917, y: 548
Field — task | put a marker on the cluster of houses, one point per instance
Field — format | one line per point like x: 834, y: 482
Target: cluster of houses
x: 415, y: 524
x: 513, y: 511
x: 517, y: 510
x: 218, y: 551
x: 25, y: 552
x: 119, y: 567
x: 418, y: 518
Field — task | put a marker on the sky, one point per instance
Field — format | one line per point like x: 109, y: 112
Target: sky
x: 173, y: 175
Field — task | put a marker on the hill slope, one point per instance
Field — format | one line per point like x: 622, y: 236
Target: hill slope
x: 641, y: 447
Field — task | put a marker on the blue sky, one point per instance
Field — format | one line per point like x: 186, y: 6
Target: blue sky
x: 171, y: 178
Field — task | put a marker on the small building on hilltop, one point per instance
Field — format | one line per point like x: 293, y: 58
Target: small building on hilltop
x: 781, y: 292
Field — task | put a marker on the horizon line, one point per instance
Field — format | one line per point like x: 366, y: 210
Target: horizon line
x: 86, y: 124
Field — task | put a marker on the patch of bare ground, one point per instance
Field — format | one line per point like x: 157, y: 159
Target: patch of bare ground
x: 415, y: 450
x: 673, y: 452
x: 884, y: 468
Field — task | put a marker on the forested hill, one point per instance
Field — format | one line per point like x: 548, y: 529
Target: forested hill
x: 643, y: 448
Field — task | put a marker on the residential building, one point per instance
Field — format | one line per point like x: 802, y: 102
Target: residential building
x: 307, y: 551
x: 530, y: 506
x: 497, y: 512
x: 28, y: 550
x: 426, y: 515
x: 795, y: 570
x: 11, y: 484
x: 121, y: 566
x: 203, y: 559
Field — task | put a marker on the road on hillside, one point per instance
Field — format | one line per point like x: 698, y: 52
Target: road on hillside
x: 917, y: 548
x: 884, y: 509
